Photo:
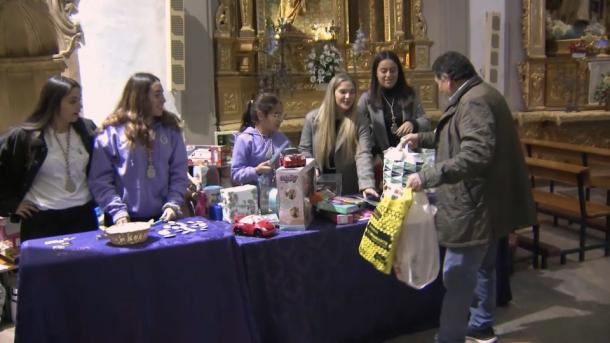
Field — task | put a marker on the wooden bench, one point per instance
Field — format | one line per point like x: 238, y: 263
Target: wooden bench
x: 577, y: 209
x: 598, y: 159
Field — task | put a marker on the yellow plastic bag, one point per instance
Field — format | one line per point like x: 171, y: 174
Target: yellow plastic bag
x: 380, y: 238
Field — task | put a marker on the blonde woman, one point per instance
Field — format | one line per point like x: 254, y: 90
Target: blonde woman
x: 339, y: 139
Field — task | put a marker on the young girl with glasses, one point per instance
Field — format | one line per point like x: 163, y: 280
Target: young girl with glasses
x: 259, y: 139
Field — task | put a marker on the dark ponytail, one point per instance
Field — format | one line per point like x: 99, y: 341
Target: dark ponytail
x: 264, y: 103
x: 246, y: 117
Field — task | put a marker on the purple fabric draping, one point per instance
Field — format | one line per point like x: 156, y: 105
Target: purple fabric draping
x: 181, y: 289
x: 313, y: 286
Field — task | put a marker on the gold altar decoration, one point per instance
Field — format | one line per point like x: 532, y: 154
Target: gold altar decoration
x: 268, y: 49
x: 551, y: 77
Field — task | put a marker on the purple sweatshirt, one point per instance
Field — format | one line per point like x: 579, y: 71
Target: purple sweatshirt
x: 118, y: 178
x: 250, y: 150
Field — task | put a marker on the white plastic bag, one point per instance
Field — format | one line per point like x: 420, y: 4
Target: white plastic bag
x: 417, y: 258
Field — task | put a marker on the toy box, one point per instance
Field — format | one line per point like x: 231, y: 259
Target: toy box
x: 212, y: 155
x: 337, y: 218
x: 241, y: 200
x: 295, y: 186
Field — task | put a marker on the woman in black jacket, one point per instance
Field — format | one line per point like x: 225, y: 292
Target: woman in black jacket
x: 44, y: 163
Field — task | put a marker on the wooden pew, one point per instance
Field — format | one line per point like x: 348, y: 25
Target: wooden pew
x: 598, y: 159
x: 577, y: 209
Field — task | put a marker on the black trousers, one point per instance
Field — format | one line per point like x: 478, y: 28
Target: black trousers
x: 59, y: 222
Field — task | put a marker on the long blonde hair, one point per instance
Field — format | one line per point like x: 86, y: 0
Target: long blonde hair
x: 325, y: 133
x: 133, y: 110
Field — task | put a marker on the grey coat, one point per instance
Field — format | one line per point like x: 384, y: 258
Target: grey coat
x: 357, y: 171
x: 375, y: 116
x: 483, y: 191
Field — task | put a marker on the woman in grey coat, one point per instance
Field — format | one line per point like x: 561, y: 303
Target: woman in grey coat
x: 391, y: 104
x: 337, y: 136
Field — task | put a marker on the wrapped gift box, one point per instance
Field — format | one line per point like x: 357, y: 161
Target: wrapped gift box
x: 294, y: 187
x: 212, y: 155
x: 341, y: 208
x: 241, y: 200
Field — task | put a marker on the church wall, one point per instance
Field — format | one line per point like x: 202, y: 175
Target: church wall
x: 197, y: 102
x: 126, y: 37
x: 121, y: 38
x: 459, y: 25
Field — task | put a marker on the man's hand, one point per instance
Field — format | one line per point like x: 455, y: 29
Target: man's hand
x: 412, y: 140
x: 414, y: 182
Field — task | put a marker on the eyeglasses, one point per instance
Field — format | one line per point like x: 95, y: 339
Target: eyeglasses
x: 278, y: 115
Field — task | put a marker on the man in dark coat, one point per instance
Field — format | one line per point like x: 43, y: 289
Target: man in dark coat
x: 483, y: 193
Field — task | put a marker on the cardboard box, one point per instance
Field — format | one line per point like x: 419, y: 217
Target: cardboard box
x: 338, y: 219
x: 330, y: 206
x: 295, y: 186
x: 241, y: 200
x: 211, y: 155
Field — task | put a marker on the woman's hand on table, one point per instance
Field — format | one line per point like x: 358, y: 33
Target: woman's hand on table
x: 168, y: 214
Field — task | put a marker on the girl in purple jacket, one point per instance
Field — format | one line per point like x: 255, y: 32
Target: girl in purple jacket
x: 258, y: 141
x: 138, y: 170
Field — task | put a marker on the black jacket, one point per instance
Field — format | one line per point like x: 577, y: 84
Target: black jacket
x: 22, y: 152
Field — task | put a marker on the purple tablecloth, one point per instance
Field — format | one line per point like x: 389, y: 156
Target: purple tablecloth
x: 313, y: 286
x: 182, y: 289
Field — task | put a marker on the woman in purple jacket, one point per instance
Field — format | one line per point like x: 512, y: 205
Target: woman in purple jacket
x: 258, y: 141
x: 138, y: 169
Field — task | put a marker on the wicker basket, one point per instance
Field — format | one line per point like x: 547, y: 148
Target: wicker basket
x: 128, y: 233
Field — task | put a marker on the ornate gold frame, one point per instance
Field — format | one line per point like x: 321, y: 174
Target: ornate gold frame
x: 547, y: 82
x: 240, y: 60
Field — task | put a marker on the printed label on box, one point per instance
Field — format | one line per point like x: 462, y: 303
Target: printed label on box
x: 241, y: 200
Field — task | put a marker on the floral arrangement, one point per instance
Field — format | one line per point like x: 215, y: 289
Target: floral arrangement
x: 602, y: 91
x: 359, y: 45
x: 322, y: 63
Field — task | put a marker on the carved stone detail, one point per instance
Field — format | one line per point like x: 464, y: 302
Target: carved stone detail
x: 537, y: 81
x: 421, y: 57
x: 533, y: 28
x: 71, y: 33
x: 400, y: 33
x: 426, y: 93
x: 420, y: 28
x: 225, y: 14
x: 247, y: 8
x: 229, y: 101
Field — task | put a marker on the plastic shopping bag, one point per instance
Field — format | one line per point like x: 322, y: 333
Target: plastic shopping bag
x: 417, y: 258
x: 378, y: 244
x: 398, y: 163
